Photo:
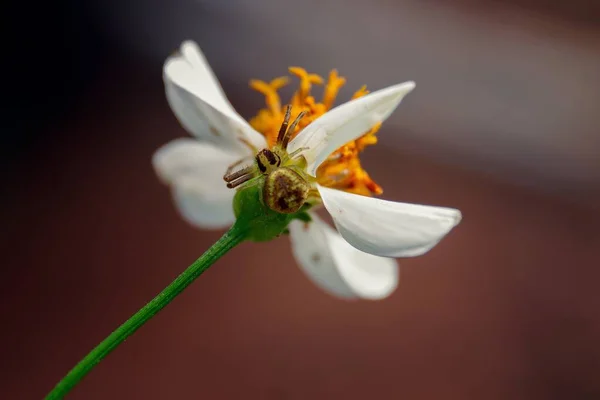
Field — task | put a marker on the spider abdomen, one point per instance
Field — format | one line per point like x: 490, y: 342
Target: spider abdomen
x: 285, y: 191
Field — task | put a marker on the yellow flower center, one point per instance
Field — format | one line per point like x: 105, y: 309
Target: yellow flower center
x: 342, y: 169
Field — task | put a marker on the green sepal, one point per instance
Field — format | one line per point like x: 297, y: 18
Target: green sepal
x: 262, y: 223
x: 303, y: 216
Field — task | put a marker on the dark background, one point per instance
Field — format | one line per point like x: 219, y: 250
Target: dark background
x: 503, y: 125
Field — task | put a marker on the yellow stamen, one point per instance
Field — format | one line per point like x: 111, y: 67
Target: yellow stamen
x: 368, y: 139
x: 332, y: 88
x: 306, y: 82
x: 360, y: 92
x: 342, y: 169
x: 270, y: 91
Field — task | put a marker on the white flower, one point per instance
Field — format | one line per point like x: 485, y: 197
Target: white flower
x: 356, y: 262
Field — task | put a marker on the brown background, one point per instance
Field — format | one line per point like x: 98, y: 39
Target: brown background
x: 506, y: 307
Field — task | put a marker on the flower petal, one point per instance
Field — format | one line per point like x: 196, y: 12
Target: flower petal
x: 203, y: 206
x: 347, y: 122
x: 340, y: 269
x: 198, y: 101
x: 194, y: 170
x: 387, y: 228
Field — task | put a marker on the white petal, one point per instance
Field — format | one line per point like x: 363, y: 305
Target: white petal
x: 194, y: 170
x: 347, y: 122
x: 340, y: 269
x: 198, y: 101
x: 387, y: 228
x: 202, y: 206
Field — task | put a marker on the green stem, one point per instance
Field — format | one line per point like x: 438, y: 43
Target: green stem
x: 230, y: 239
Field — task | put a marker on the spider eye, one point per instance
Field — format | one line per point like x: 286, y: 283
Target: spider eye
x: 265, y: 158
x: 271, y: 157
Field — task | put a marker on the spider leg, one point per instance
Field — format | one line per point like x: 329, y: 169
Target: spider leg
x: 314, y: 192
x: 287, y: 135
x: 314, y: 197
x: 249, y: 145
x: 236, y: 164
x: 239, y: 179
x: 284, y: 124
x: 248, y: 171
x: 245, y: 182
x: 296, y: 152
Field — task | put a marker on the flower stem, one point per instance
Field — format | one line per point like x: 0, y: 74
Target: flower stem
x: 230, y: 239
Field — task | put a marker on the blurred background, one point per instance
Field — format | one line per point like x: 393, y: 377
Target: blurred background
x: 504, y: 125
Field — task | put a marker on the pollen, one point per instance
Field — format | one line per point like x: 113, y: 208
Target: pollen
x: 342, y: 170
